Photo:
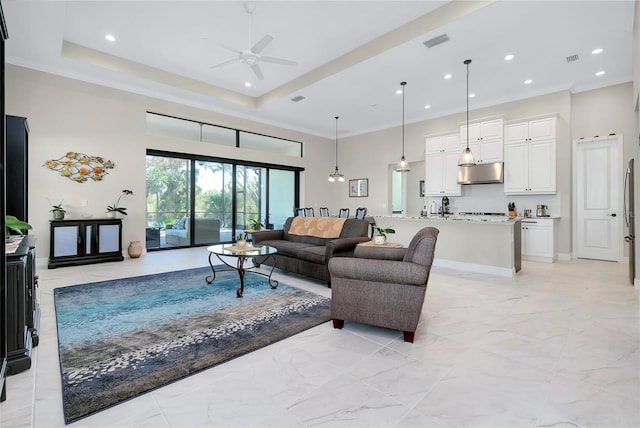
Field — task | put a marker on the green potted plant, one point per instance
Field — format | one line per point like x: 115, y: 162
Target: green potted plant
x: 58, y: 211
x: 12, y: 223
x: 256, y: 224
x: 382, y: 233
x: 112, y: 210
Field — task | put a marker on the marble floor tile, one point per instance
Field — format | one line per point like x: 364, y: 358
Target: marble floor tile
x: 556, y: 346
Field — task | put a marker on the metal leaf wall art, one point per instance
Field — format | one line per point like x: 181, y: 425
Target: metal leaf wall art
x: 80, y: 167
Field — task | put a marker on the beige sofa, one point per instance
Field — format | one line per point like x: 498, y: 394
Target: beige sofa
x: 207, y: 231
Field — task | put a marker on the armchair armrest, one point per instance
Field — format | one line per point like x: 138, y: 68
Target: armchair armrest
x: 386, y: 271
x: 380, y: 253
x: 266, y: 235
x: 343, y: 245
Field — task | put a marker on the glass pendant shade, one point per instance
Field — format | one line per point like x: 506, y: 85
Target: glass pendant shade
x: 336, y: 176
x: 466, y: 157
x: 403, y: 165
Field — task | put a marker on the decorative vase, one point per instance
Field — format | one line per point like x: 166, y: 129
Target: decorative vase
x: 241, y: 243
x: 111, y: 214
x: 379, y: 239
x: 58, y: 215
x: 135, y: 249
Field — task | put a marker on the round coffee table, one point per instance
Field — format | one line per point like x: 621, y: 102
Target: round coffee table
x: 241, y: 254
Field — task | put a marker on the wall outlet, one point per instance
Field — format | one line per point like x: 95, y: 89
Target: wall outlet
x: 84, y: 203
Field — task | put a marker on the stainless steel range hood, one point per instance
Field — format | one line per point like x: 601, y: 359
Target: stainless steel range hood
x: 483, y: 173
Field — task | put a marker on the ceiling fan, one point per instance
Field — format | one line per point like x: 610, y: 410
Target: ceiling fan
x: 252, y: 56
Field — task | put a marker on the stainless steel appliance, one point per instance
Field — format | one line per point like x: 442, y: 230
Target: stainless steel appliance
x: 629, y: 219
x: 541, y: 211
x: 481, y: 174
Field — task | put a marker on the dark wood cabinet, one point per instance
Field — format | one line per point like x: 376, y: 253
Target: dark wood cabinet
x: 17, y: 147
x: 3, y: 164
x: 85, y: 241
x: 23, y: 310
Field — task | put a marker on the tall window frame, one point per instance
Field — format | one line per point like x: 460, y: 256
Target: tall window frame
x: 234, y: 219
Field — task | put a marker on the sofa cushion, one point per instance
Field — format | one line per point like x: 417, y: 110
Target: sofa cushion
x: 314, y: 254
x: 285, y: 247
x: 179, y: 223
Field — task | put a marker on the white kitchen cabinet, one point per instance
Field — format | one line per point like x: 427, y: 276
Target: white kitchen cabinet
x: 485, y: 140
x: 530, y: 157
x: 538, y: 239
x: 441, y: 166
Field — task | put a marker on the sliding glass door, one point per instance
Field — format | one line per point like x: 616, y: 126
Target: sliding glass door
x: 213, y: 202
x: 193, y: 201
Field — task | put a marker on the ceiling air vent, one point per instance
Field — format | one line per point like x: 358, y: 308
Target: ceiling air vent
x: 436, y: 40
x: 297, y: 99
x: 572, y: 58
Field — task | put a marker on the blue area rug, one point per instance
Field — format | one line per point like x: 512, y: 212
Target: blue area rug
x: 121, y: 338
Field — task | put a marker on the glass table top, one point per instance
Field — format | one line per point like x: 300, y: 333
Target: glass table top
x: 235, y: 251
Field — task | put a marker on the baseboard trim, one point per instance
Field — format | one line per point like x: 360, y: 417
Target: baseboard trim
x: 472, y: 267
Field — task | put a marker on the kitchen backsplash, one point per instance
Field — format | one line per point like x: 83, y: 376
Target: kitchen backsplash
x: 491, y: 198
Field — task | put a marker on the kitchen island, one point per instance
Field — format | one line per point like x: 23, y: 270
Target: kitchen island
x: 465, y: 243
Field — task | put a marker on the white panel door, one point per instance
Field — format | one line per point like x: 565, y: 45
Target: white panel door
x: 598, y: 214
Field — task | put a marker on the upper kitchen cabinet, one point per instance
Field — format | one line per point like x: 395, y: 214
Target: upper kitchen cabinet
x: 530, y: 157
x: 485, y: 140
x: 441, y: 166
x: 443, y: 143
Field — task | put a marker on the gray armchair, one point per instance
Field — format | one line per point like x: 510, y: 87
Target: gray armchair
x: 381, y: 286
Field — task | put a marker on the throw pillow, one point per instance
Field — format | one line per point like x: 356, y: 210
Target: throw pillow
x: 179, y: 223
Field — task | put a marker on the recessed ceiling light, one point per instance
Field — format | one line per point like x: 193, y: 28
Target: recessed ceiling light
x: 427, y: 106
x: 597, y: 51
x: 110, y: 37
x: 600, y: 73
x: 509, y: 57
x: 448, y: 76
x: 472, y: 95
x: 528, y: 82
x: 399, y: 91
x: 247, y: 84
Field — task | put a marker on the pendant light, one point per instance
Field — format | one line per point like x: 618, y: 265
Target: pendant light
x: 403, y: 165
x: 466, y: 157
x: 336, y: 176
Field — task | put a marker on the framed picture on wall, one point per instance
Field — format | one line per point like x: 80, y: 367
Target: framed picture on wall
x: 421, y: 187
x: 358, y: 187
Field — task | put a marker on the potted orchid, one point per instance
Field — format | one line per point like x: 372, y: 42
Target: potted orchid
x: 113, y: 209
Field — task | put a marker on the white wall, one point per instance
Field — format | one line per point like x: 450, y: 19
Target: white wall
x: 68, y: 115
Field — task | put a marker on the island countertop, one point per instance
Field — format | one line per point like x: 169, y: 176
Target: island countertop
x: 487, y: 246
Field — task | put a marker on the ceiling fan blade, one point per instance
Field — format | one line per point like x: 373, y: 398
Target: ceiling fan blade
x: 261, y: 44
x: 277, y: 60
x: 224, y: 63
x: 257, y: 71
x: 229, y: 48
